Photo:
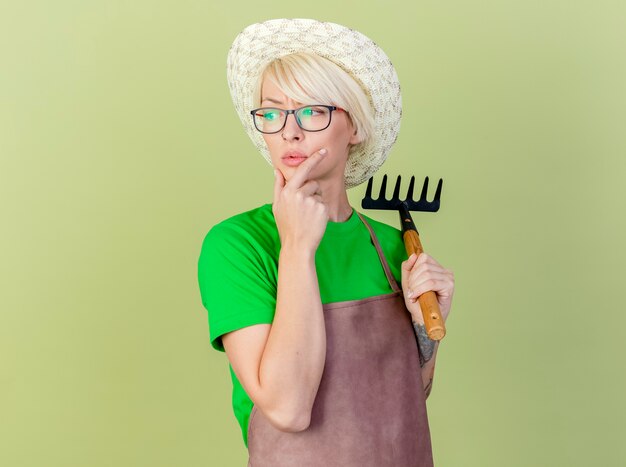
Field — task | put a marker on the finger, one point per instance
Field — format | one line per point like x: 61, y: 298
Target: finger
x: 435, y: 278
x: 426, y: 262
x: 311, y: 187
x: 408, y: 264
x: 424, y: 268
x: 279, y: 183
x: 304, y: 169
x: 426, y: 258
x: 437, y: 282
x: 318, y: 198
x: 406, y: 268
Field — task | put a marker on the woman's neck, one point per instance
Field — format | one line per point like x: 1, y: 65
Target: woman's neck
x: 335, y: 198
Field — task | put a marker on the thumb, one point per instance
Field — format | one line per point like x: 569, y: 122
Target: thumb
x: 279, y: 183
x: 406, y: 268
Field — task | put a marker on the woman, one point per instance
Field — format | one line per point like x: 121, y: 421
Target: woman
x: 303, y: 294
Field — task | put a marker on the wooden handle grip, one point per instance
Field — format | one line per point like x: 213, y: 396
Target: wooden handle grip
x: 433, y: 321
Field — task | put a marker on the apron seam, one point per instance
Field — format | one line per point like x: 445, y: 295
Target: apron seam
x: 351, y: 303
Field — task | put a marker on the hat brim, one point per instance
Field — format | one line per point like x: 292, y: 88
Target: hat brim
x: 261, y: 43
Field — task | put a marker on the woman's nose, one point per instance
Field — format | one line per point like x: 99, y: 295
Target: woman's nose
x: 292, y: 130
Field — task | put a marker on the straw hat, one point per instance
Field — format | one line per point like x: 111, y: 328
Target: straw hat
x: 261, y: 43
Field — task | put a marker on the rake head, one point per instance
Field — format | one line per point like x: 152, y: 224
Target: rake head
x: 396, y: 203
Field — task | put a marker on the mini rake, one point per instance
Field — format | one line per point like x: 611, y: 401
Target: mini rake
x: 433, y: 321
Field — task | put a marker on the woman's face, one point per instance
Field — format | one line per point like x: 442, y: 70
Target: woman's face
x: 294, y: 141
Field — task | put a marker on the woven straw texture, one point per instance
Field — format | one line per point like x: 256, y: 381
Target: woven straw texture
x: 260, y: 43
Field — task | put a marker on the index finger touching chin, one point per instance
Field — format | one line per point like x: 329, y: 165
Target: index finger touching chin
x: 304, y: 169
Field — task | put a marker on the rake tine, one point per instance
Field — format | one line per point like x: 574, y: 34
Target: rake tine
x: 438, y: 192
x: 383, y: 188
x: 409, y: 195
x: 368, y: 192
x: 424, y: 190
x: 396, y: 190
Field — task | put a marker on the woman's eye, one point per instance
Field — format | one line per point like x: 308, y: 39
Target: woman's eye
x: 313, y: 111
x: 270, y: 115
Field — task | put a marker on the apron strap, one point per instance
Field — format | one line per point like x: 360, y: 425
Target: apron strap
x: 392, y: 280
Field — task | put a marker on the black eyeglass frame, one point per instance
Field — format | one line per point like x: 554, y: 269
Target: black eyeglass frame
x: 293, y: 111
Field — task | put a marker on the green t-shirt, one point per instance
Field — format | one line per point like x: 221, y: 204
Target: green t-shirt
x: 238, y: 274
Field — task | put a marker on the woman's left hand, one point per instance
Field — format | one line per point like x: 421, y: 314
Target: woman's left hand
x: 421, y: 274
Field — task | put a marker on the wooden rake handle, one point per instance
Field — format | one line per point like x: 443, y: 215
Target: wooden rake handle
x: 435, y: 326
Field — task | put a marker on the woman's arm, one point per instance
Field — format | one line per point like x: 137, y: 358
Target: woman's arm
x: 419, y: 275
x: 427, y: 355
x: 280, y: 366
x: 282, y: 369
x: 293, y: 360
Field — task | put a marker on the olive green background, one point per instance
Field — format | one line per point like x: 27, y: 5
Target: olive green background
x: 120, y: 148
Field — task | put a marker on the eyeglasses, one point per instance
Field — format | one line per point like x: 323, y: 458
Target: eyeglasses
x: 270, y: 120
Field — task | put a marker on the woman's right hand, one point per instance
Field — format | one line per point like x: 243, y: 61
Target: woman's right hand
x: 300, y: 214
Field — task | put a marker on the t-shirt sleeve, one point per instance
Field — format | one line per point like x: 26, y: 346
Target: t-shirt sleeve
x: 236, y: 287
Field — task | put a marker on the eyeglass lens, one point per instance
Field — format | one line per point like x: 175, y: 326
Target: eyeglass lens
x: 310, y: 118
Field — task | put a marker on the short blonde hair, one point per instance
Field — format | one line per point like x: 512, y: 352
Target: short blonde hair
x: 310, y: 78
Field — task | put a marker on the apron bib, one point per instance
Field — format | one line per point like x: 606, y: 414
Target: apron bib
x: 370, y: 408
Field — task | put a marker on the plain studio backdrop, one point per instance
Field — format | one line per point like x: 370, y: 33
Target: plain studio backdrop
x: 120, y: 149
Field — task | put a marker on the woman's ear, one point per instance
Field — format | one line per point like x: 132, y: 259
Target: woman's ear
x: 354, y: 139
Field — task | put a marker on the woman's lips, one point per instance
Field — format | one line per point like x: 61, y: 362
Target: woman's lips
x: 293, y: 158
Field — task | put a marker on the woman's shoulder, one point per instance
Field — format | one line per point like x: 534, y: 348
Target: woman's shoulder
x: 250, y: 227
x: 381, y: 228
x: 390, y: 238
x: 392, y: 244
x: 252, y: 219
